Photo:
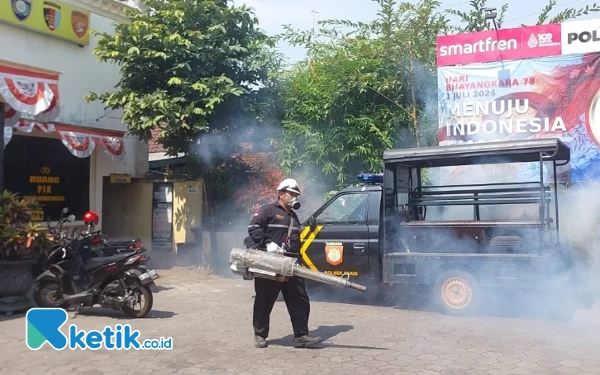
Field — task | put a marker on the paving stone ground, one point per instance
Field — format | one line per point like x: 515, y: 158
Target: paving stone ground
x: 209, y: 319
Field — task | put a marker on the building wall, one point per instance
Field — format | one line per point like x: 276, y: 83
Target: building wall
x: 81, y: 73
x: 128, y: 210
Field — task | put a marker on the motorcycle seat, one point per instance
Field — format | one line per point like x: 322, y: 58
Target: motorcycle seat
x: 102, y: 261
x: 120, y: 241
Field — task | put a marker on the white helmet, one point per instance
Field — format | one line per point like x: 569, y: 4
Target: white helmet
x: 289, y: 184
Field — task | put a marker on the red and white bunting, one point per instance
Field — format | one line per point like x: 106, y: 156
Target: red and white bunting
x: 28, y: 92
x: 31, y: 102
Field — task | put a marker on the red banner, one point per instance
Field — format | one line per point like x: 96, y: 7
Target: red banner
x: 498, y: 45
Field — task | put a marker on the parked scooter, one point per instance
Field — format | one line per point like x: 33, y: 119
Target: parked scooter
x: 55, y: 253
x: 81, y: 278
x: 108, y: 247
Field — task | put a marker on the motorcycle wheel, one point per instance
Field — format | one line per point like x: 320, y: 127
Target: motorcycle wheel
x: 138, y: 288
x: 45, y: 295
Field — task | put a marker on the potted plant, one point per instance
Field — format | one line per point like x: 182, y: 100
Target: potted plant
x: 22, y: 241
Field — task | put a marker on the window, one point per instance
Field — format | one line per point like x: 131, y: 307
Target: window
x: 45, y: 170
x: 345, y: 209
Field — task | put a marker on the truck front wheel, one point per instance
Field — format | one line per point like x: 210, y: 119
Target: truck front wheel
x: 457, y: 293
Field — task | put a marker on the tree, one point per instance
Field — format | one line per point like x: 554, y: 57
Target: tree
x: 360, y: 91
x: 259, y: 190
x: 191, y: 68
x: 409, y: 32
x: 474, y: 19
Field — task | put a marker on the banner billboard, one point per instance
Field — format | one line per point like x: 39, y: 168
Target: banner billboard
x: 557, y: 96
x: 580, y: 36
x: 52, y: 18
x: 537, y: 81
x: 504, y: 44
x: 519, y: 43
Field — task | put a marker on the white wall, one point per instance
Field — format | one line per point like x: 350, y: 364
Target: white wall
x: 81, y: 73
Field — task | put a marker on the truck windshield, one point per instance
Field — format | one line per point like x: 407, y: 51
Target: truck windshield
x: 350, y: 208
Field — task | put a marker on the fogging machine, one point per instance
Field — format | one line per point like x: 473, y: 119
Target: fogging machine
x: 250, y: 263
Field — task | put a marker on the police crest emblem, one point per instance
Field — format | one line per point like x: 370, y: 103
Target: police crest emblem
x: 334, y: 253
x: 79, y: 23
x: 52, y: 16
x: 21, y: 8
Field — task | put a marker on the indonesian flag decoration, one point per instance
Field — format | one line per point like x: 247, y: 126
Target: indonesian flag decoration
x: 113, y: 146
x: 11, y: 116
x: 28, y: 92
x: 51, y: 113
x: 31, y: 102
x: 29, y: 126
x: 80, y: 144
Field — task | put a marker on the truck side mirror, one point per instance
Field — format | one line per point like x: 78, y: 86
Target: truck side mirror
x: 312, y: 223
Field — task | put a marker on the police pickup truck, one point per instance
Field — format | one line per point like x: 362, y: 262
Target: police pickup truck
x: 395, y: 229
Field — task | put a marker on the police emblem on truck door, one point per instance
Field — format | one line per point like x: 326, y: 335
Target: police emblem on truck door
x: 334, y: 253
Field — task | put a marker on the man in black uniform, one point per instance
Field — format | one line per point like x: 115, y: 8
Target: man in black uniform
x: 276, y: 228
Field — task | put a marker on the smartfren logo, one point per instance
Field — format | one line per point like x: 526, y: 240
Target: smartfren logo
x: 43, y: 325
x: 480, y: 46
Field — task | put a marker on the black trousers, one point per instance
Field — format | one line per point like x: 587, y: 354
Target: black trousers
x: 296, y: 300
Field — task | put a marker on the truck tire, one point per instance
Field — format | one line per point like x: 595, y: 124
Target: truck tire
x: 457, y: 293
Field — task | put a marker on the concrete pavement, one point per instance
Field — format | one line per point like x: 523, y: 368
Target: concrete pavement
x: 209, y: 319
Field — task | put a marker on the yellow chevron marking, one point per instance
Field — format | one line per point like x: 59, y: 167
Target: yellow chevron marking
x: 306, y: 244
x: 304, y: 233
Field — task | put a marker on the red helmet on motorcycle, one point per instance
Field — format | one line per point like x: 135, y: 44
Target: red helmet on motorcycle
x: 91, y: 217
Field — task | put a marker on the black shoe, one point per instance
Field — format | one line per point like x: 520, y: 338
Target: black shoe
x: 260, y: 342
x: 306, y: 341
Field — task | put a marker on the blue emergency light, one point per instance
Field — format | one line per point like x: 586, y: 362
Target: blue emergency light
x: 371, y: 178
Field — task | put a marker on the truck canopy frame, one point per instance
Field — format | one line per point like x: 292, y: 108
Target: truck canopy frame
x: 521, y: 151
x: 407, y: 199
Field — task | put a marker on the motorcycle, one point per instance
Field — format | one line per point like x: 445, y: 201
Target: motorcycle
x: 80, y: 280
x: 109, y: 247
x: 54, y: 254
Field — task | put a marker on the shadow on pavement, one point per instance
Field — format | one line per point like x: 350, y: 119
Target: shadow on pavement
x: 326, y: 333
x: 14, y: 315
x: 100, y: 311
x: 163, y: 287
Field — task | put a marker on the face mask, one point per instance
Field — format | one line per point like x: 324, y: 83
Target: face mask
x: 294, y: 203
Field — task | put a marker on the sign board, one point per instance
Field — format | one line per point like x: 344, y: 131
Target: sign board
x: 530, y: 82
x: 120, y: 178
x: 52, y: 18
x: 556, y: 39
x: 504, y: 44
x: 162, y: 216
x: 37, y: 215
x: 45, y: 185
x: 580, y: 36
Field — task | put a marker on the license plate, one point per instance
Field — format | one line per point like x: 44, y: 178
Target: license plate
x: 153, y: 274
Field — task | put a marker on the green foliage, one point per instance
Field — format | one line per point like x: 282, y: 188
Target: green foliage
x: 474, y: 19
x: 185, y: 64
x: 20, y: 237
x: 360, y: 91
x: 566, y: 14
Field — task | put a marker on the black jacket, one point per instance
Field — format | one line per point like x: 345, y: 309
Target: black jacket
x: 271, y: 223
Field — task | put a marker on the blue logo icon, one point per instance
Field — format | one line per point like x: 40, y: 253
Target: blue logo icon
x: 21, y: 9
x: 43, y: 325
